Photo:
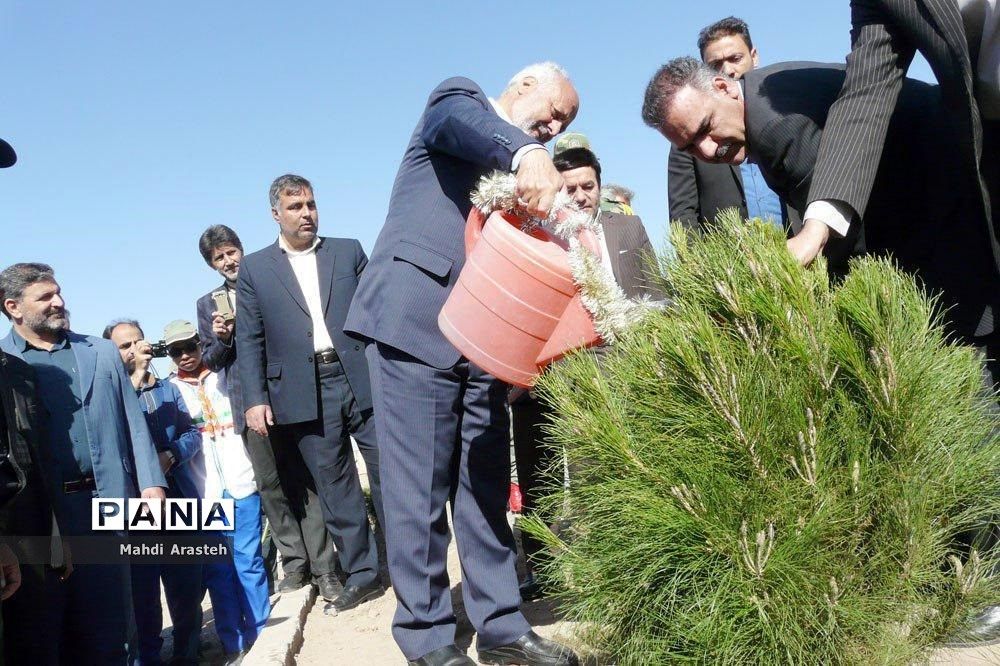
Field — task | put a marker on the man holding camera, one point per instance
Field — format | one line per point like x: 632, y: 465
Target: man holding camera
x: 292, y: 507
x: 178, y: 446
x: 97, y: 444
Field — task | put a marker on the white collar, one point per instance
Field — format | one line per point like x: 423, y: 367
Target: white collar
x: 297, y: 253
x: 499, y: 111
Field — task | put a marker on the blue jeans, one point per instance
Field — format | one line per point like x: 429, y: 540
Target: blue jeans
x: 238, y: 588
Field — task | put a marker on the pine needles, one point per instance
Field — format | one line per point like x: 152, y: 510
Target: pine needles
x: 776, y: 470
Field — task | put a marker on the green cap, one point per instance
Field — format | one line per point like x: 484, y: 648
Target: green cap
x: 571, y: 140
x: 179, y: 330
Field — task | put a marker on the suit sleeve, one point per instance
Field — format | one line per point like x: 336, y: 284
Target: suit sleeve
x: 187, y: 437
x: 360, y: 258
x: 856, y: 127
x: 250, y: 353
x: 216, y: 354
x: 147, y: 463
x: 457, y: 122
x: 682, y: 190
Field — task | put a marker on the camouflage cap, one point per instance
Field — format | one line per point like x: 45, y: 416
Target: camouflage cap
x: 571, y: 140
x: 179, y: 330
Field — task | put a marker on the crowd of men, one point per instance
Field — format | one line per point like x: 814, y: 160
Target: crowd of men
x: 308, y: 343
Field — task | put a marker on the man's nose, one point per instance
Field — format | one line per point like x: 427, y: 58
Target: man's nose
x: 58, y: 302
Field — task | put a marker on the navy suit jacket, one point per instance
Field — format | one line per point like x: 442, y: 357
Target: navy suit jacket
x: 420, y: 250
x: 121, y: 449
x: 221, y: 358
x: 274, y: 344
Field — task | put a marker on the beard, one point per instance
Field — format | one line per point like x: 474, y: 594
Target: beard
x: 48, y: 322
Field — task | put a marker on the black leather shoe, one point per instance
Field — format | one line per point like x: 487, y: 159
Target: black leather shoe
x: 531, y: 589
x: 449, y: 655
x: 329, y: 586
x: 530, y: 649
x: 353, y: 596
x: 293, y: 581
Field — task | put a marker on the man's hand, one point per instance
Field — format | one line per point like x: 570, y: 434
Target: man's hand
x: 67, y: 570
x: 143, y: 353
x: 223, y: 328
x: 154, y: 492
x: 259, y: 418
x: 10, y: 572
x: 809, y: 242
x: 537, y: 182
x: 166, y: 461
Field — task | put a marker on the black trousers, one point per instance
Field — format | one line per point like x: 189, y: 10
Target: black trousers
x: 291, y: 505
x: 325, y: 447
x: 533, y: 456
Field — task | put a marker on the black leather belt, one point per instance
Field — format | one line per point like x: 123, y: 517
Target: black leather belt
x: 327, y: 356
x: 84, y: 483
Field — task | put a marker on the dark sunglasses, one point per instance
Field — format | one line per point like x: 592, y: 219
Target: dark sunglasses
x: 182, y: 348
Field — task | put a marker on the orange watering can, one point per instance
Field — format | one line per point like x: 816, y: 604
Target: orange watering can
x: 515, y: 308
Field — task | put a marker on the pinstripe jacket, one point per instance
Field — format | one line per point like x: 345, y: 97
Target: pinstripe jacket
x: 629, y: 250
x: 420, y: 250
x: 919, y: 209
x: 885, y: 35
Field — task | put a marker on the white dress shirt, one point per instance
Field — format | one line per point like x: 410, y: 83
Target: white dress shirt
x: 304, y: 266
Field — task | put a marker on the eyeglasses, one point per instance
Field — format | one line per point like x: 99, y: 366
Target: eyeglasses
x: 187, y: 347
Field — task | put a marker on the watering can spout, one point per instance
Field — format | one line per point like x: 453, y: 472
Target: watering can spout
x: 574, y: 330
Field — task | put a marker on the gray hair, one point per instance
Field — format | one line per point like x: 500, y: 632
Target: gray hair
x: 115, y: 323
x: 669, y: 80
x: 620, y: 190
x: 543, y: 72
x: 18, y: 277
x: 287, y: 184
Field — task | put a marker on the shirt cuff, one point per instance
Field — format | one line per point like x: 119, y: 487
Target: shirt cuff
x: 521, y: 152
x: 831, y: 212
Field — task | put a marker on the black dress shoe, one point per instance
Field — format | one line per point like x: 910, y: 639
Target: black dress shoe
x: 293, y: 581
x: 353, y: 596
x: 329, y: 586
x: 449, y: 655
x: 532, y: 589
x: 530, y: 649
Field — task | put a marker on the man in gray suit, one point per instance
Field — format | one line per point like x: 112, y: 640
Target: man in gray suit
x: 698, y: 191
x: 442, y: 422
x: 96, y: 443
x: 626, y: 254
x: 306, y: 383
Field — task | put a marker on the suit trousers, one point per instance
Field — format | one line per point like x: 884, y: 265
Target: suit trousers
x: 533, y: 456
x: 291, y: 505
x: 444, y: 432
x: 325, y: 448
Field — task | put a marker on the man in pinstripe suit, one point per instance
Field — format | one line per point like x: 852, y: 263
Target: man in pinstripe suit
x: 442, y: 422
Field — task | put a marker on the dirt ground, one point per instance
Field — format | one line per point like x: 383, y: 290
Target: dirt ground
x: 362, y: 635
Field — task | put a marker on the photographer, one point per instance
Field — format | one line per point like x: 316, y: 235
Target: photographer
x: 291, y: 506
x: 178, y: 444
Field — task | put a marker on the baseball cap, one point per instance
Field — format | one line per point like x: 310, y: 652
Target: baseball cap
x: 571, y: 140
x: 179, y: 330
x: 7, y: 155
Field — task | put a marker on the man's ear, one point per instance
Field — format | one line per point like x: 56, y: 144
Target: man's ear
x: 11, y: 306
x: 726, y: 85
x: 753, y: 57
x: 527, y: 83
x: 274, y: 214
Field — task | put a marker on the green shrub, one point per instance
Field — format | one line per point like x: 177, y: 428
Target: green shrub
x: 775, y: 470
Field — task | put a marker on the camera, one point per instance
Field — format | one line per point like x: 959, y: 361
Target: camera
x: 158, y: 349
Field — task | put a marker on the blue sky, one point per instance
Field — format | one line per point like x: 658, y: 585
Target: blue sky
x: 138, y: 124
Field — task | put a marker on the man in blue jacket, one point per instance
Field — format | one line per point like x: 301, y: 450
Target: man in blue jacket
x: 96, y: 444
x: 178, y: 446
x: 442, y: 422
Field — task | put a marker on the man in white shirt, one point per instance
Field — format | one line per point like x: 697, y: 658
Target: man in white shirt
x: 304, y: 380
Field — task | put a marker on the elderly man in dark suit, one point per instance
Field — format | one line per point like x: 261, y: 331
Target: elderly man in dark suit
x: 304, y: 379
x: 442, y: 422
x: 292, y: 507
x: 96, y: 441
x: 698, y: 191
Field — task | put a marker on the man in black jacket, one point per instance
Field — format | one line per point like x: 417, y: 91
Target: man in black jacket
x: 290, y: 503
